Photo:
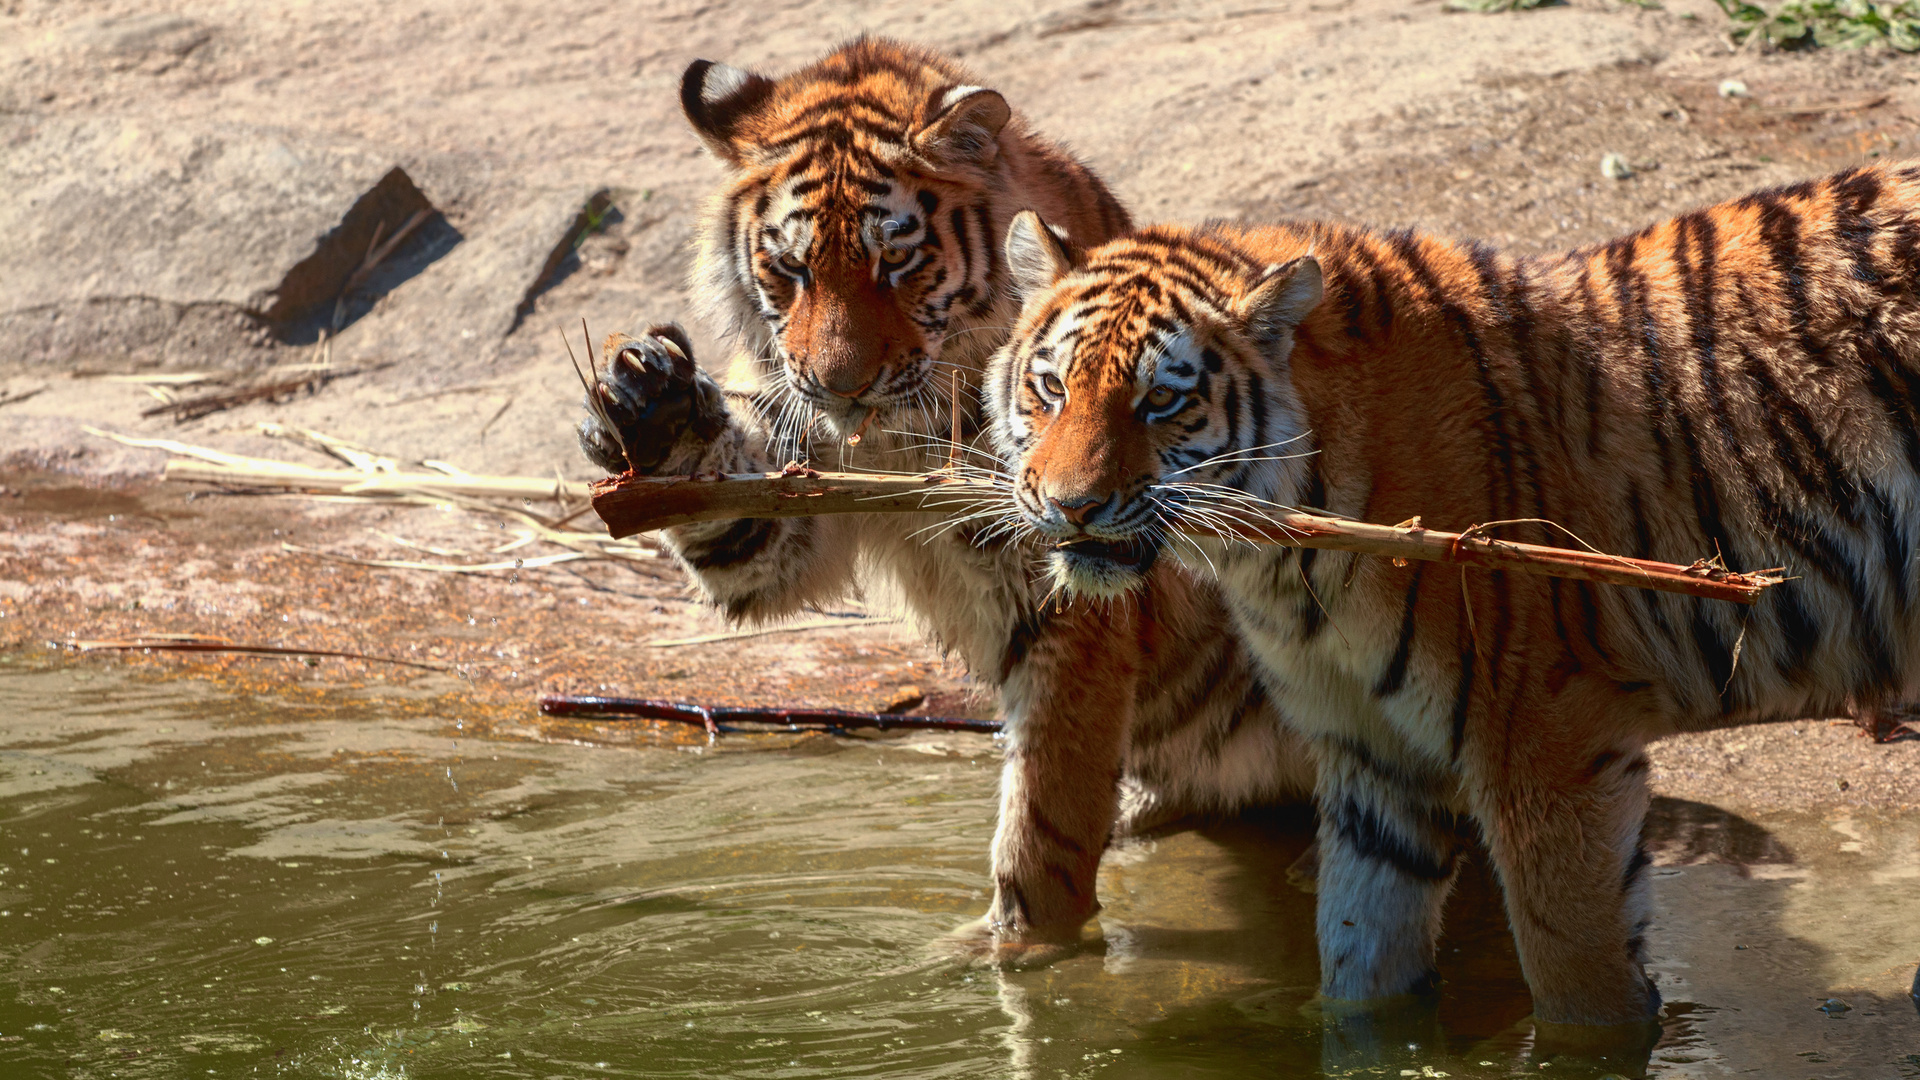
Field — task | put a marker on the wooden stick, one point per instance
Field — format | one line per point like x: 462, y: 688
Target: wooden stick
x: 356, y: 482
x: 633, y: 504
x: 202, y: 644
x: 710, y: 716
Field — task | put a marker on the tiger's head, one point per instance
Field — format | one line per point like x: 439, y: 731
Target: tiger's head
x: 857, y: 240
x: 1145, y: 387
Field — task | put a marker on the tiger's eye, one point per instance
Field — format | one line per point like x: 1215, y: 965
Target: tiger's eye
x: 1052, y: 385
x: 1161, y: 396
x: 894, y: 256
x: 793, y: 262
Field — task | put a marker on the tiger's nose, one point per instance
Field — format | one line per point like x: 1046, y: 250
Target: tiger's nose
x: 849, y: 388
x: 1079, y: 512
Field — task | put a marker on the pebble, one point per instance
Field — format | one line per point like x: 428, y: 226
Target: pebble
x: 1835, y: 1007
x: 1615, y: 167
x: 1733, y: 88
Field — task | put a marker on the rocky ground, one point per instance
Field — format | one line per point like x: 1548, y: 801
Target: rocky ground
x: 189, y: 189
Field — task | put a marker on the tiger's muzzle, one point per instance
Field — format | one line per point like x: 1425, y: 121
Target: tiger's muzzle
x: 1101, y: 547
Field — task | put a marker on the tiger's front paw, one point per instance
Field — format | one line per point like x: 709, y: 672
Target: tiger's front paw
x: 650, y: 401
x: 981, y: 943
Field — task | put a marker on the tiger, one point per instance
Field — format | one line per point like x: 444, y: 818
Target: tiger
x: 1740, y: 383
x: 853, y: 254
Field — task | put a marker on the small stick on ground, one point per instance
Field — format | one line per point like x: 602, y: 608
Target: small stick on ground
x: 203, y: 644
x: 195, y: 407
x: 710, y: 717
x: 763, y: 631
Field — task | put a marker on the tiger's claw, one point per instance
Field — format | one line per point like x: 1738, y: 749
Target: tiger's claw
x: 650, y: 398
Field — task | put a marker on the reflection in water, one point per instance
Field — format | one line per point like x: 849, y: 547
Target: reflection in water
x: 1680, y: 832
x: 336, y: 885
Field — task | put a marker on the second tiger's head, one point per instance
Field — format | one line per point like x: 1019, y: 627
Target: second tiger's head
x: 1144, y: 393
x: 857, y: 239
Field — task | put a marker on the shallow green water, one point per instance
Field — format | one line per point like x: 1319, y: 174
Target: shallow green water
x: 305, y: 884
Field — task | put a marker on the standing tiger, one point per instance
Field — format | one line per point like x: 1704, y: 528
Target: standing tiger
x: 1742, y: 382
x: 854, y: 253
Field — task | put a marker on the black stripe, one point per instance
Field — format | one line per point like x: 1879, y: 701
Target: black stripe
x: 1517, y: 319
x: 1046, y: 827
x: 1582, y: 350
x: 1396, y: 674
x: 1780, y: 230
x: 1630, y: 293
x: 1832, y: 485
x: 1020, y: 640
x: 1257, y: 405
x: 1696, y: 289
x: 1406, y: 245
x: 992, y: 272
x: 741, y: 541
x: 1012, y: 902
x: 1854, y: 192
x: 1312, y: 618
x: 1463, y: 691
x: 1636, y: 866
x: 1357, y: 753
x: 1310, y: 613
x: 1896, y: 387
x: 1362, y: 252
x: 1371, y: 838
x: 1896, y: 548
x: 1590, y: 618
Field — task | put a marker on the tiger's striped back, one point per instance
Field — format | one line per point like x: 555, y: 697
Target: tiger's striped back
x: 1742, y: 383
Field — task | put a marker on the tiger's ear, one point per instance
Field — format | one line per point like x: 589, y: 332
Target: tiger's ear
x: 717, y: 100
x: 1283, y: 297
x: 965, y: 128
x: 1036, y: 255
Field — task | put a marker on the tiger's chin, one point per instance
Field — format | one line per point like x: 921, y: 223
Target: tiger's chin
x: 1101, y: 568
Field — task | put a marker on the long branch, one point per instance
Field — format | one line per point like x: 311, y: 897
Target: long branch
x: 633, y: 504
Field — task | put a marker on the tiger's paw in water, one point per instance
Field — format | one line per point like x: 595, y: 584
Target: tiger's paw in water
x: 979, y: 944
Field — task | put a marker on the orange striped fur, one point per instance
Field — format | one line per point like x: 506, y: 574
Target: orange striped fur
x: 1742, y: 381
x: 854, y: 251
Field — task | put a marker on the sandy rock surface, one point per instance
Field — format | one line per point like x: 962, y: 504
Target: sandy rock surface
x: 188, y: 191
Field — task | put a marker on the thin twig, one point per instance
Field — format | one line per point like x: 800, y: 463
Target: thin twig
x: 1816, y: 108
x: 709, y: 717
x: 762, y: 631
x: 195, y: 407
x: 204, y: 644
x: 498, y: 413
x: 534, y: 563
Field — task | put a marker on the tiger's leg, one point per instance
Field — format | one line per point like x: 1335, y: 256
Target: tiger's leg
x: 1070, y: 701
x: 1388, y: 857
x: 1564, y: 834
x: 653, y: 410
